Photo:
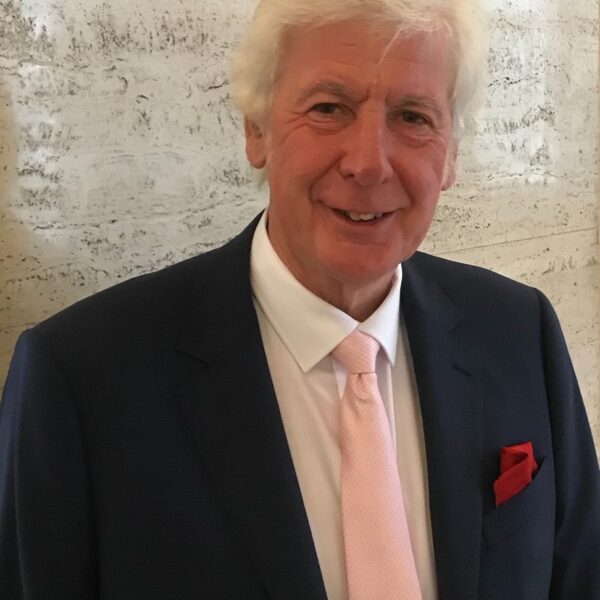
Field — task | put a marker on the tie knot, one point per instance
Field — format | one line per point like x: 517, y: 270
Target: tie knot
x: 357, y: 352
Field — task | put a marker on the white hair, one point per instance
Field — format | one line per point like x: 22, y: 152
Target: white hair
x: 256, y: 63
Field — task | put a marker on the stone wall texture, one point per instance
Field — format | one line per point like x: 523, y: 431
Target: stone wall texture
x: 120, y: 154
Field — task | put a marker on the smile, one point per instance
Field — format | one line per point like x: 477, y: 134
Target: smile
x: 354, y: 216
x: 357, y: 217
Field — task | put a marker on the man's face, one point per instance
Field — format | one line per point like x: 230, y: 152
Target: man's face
x: 359, y: 128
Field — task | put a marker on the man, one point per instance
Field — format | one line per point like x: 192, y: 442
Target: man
x: 202, y: 432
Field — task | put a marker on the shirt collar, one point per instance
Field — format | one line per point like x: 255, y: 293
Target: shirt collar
x: 309, y: 327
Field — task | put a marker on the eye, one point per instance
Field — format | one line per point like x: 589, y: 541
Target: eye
x: 413, y: 118
x: 328, y: 109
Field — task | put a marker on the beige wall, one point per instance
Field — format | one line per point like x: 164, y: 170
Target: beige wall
x: 119, y: 154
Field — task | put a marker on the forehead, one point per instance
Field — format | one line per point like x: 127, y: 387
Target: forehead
x: 363, y: 51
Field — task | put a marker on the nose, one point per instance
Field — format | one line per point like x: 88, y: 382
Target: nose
x: 366, y: 152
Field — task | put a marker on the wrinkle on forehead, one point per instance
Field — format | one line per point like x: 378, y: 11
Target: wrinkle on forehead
x: 377, y: 46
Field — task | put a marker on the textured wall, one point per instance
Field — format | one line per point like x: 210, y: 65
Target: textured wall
x: 119, y: 154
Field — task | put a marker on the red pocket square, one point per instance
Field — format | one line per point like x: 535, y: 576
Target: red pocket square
x: 517, y: 468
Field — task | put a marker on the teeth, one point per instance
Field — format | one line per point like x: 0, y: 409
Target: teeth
x: 353, y: 216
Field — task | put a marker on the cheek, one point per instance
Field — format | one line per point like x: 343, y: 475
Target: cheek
x: 305, y: 157
x: 291, y: 180
x: 422, y: 174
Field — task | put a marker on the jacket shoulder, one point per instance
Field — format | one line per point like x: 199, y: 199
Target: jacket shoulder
x: 127, y: 301
x: 472, y: 286
x: 146, y: 307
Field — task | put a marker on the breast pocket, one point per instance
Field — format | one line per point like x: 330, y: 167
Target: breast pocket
x: 507, y: 519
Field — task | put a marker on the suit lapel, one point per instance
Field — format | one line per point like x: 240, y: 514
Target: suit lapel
x: 451, y: 404
x: 228, y: 399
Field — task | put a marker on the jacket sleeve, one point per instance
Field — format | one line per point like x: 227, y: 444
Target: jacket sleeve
x: 47, y: 546
x: 576, y: 570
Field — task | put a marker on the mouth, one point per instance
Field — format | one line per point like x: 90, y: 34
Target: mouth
x: 356, y: 217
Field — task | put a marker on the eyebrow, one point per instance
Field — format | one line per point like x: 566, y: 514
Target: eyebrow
x: 327, y: 86
x: 330, y: 86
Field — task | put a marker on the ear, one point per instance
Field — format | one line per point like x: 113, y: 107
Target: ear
x: 256, y: 150
x: 450, y: 167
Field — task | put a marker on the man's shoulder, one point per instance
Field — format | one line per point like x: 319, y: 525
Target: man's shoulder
x: 494, y: 313
x: 153, y: 302
x: 471, y: 286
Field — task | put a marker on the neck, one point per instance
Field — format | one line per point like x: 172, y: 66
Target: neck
x: 359, y: 302
x: 357, y: 299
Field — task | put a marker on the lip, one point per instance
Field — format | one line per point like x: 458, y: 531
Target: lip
x: 337, y: 213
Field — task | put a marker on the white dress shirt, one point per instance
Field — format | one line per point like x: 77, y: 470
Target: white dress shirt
x: 299, y: 330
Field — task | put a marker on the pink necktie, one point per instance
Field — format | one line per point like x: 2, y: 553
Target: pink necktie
x: 379, y: 560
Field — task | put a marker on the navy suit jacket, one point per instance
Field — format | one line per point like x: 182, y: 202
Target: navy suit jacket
x: 142, y: 453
